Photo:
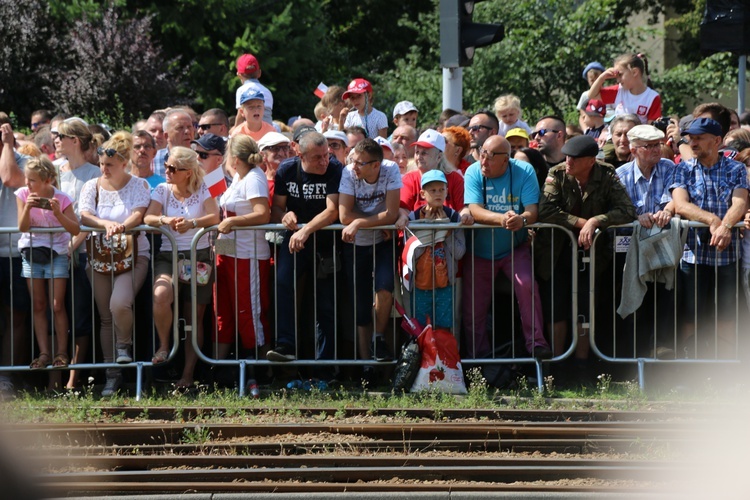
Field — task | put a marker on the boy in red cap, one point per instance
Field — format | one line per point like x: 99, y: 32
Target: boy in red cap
x: 361, y: 112
x: 248, y: 69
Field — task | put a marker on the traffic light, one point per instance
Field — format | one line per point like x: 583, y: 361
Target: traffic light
x: 459, y: 36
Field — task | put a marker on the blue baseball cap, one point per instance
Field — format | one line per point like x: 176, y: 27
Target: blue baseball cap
x: 433, y: 176
x: 251, y: 94
x: 703, y: 126
x: 590, y: 66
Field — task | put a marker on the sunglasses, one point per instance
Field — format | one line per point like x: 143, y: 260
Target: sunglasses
x: 206, y: 126
x: 543, y: 131
x: 63, y: 136
x: 110, y: 152
x: 204, y: 156
x: 477, y: 128
x: 172, y: 169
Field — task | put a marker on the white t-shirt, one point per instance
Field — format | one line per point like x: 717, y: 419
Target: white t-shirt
x: 250, y: 243
x: 72, y: 181
x: 376, y: 120
x: 267, y: 98
x: 191, y: 208
x: 117, y: 205
x: 369, y: 199
x: 504, y: 127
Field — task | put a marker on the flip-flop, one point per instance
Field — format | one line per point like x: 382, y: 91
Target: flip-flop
x: 159, y: 357
x: 61, y: 360
x: 40, y: 362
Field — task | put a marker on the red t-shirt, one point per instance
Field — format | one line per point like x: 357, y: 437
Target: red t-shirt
x: 411, y: 199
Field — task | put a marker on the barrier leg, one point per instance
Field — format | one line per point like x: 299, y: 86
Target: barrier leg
x: 138, y: 380
x: 539, y: 375
x: 641, y: 379
x: 242, y: 377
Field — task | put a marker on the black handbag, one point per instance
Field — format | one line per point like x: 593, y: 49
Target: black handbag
x: 39, y: 255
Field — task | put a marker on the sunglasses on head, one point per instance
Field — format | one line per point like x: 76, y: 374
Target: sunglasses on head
x: 204, y: 156
x: 110, y: 152
x: 172, y: 169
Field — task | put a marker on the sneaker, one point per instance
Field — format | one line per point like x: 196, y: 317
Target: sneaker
x: 113, y: 384
x: 252, y: 389
x: 380, y: 351
x: 541, y: 352
x: 282, y: 353
x: 123, y: 354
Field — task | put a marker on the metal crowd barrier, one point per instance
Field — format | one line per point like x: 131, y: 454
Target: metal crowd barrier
x: 18, y: 365
x: 660, y: 315
x: 346, y: 319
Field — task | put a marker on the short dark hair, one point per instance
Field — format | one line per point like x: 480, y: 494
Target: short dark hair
x: 44, y: 113
x: 145, y: 135
x: 355, y: 129
x: 718, y: 112
x: 560, y: 123
x: 218, y: 113
x: 489, y: 114
x: 447, y: 113
x: 370, y: 147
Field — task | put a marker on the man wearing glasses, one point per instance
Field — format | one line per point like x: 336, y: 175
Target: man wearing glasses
x: 502, y: 192
x: 550, y: 135
x: 214, y: 121
x: 647, y: 179
x: 481, y: 126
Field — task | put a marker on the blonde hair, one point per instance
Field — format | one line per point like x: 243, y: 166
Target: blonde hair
x: 76, y: 128
x: 29, y: 149
x: 320, y: 111
x: 507, y: 101
x: 122, y: 142
x: 182, y: 157
x: 245, y: 149
x: 43, y: 167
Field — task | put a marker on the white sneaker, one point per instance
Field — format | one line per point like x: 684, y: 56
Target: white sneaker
x: 123, y: 354
x: 112, y: 385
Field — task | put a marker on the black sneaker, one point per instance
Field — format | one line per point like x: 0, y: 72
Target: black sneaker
x: 380, y: 351
x: 540, y: 353
x: 282, y: 353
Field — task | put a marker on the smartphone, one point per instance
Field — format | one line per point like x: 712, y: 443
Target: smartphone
x: 44, y: 204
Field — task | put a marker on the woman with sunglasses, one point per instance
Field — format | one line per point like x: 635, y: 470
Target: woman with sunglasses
x: 73, y: 140
x: 115, y: 203
x: 243, y: 272
x: 183, y: 205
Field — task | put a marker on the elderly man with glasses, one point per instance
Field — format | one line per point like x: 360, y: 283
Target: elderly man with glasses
x: 502, y: 192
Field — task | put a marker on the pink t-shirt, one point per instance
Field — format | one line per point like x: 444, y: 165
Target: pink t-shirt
x: 45, y: 218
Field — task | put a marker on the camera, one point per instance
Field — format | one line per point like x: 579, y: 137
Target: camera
x: 662, y: 123
x: 44, y: 203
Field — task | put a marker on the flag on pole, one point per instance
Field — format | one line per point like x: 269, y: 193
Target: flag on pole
x: 321, y: 90
x: 215, y: 182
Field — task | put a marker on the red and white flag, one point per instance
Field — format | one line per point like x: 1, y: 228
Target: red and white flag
x: 215, y: 182
x: 321, y: 90
x: 407, y: 258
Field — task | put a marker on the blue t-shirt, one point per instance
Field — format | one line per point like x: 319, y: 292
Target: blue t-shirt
x: 500, y: 197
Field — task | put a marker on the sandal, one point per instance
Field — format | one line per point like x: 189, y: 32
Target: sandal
x: 61, y: 360
x: 160, y: 357
x: 41, y: 362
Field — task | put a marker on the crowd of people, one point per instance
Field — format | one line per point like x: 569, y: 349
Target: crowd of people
x: 183, y: 171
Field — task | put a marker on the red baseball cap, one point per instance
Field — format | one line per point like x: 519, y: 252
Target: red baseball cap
x: 357, y: 86
x: 247, y: 63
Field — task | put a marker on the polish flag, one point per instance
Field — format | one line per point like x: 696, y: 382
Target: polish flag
x: 321, y: 90
x: 215, y: 182
x: 407, y: 257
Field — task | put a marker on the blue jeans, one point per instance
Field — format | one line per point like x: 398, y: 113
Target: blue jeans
x: 306, y: 264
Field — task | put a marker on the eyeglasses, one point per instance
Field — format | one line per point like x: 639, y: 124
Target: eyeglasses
x: 172, y: 169
x: 491, y: 154
x: 362, y: 164
x: 650, y: 147
x: 277, y: 148
x: 110, y: 152
x: 543, y: 131
x: 335, y: 146
x: 204, y: 156
x: 206, y: 126
x: 477, y: 128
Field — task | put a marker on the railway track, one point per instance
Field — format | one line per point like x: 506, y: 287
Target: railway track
x: 534, y: 451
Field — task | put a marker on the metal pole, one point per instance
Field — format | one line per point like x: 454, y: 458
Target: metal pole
x: 453, y: 88
x: 741, y: 81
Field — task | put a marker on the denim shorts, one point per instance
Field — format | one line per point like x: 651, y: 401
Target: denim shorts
x: 59, y: 266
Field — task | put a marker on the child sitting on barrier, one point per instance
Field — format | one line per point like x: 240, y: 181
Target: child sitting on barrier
x: 45, y: 256
x: 431, y: 256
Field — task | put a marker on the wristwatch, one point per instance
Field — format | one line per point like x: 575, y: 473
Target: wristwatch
x: 728, y: 226
x: 525, y: 222
x: 195, y: 224
x: 161, y: 220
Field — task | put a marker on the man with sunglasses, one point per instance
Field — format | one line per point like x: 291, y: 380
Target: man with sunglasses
x: 215, y: 121
x: 550, y: 135
x: 481, y: 126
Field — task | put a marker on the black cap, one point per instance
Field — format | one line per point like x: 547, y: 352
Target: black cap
x: 581, y: 146
x: 457, y: 121
x: 302, y: 131
x: 211, y: 142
